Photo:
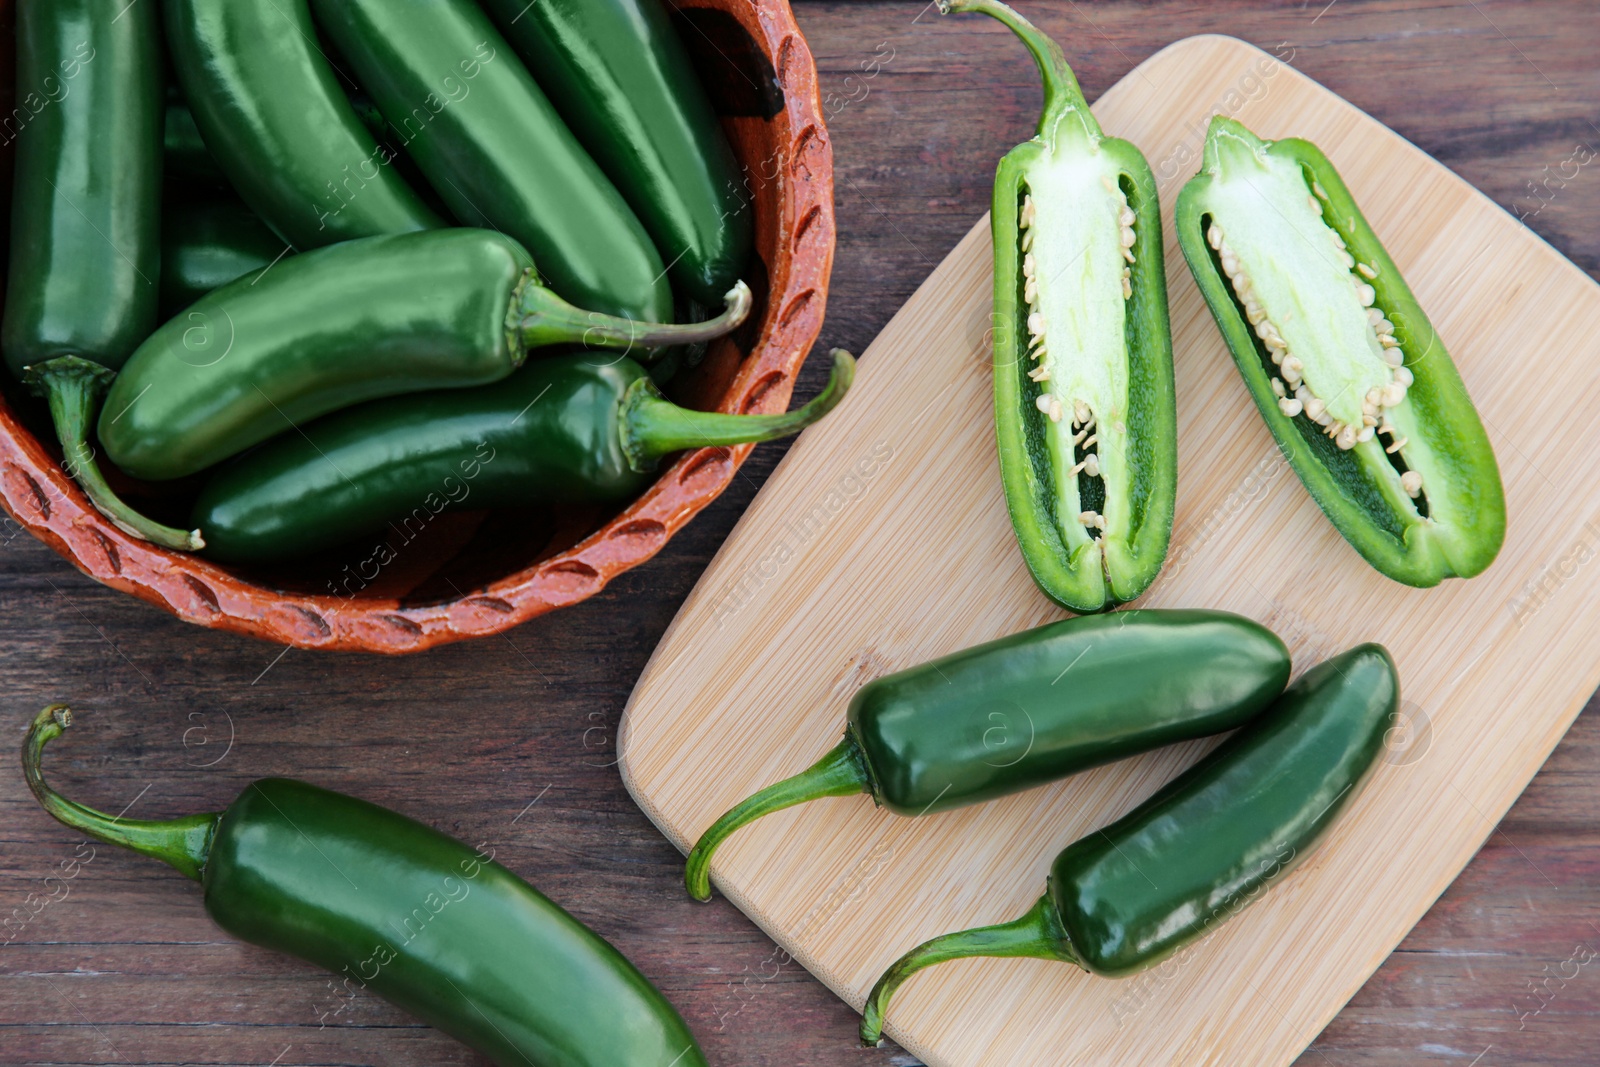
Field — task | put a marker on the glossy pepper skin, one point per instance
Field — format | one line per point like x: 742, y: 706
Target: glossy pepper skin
x: 207, y: 242
x: 1088, y: 453
x: 468, y: 112
x: 419, y: 918
x: 622, y: 80
x: 1416, y: 490
x: 274, y: 119
x: 85, y: 220
x: 1028, y: 709
x: 1204, y: 846
x: 333, y: 327
x: 571, y: 428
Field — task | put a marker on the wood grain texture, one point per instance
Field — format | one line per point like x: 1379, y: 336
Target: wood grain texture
x: 128, y: 970
x: 883, y: 541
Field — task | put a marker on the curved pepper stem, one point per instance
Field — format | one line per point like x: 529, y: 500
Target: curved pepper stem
x: 73, y: 386
x: 1037, y: 935
x: 653, y: 426
x: 1063, y: 95
x: 183, y: 843
x: 841, y: 773
x: 539, y: 318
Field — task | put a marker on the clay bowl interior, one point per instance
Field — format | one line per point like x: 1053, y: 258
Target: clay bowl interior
x: 465, y: 574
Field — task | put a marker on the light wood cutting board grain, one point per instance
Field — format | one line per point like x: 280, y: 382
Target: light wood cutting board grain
x: 882, y: 540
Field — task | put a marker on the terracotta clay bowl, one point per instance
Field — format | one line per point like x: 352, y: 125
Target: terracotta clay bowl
x: 469, y: 574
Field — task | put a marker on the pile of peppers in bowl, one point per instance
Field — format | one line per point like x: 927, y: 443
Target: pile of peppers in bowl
x: 339, y: 293
x: 332, y: 349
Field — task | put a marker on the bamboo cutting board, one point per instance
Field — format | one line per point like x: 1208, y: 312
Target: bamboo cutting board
x: 882, y: 541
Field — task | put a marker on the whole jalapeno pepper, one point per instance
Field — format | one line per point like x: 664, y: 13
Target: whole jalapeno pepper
x: 469, y: 113
x: 1340, y: 359
x: 333, y: 327
x: 1028, y: 709
x: 1204, y: 846
x: 85, y: 220
x: 271, y: 112
x: 560, y: 430
x: 207, y: 242
x: 423, y: 920
x: 622, y: 80
x: 1085, y: 415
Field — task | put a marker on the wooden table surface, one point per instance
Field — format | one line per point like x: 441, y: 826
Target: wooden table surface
x: 510, y: 740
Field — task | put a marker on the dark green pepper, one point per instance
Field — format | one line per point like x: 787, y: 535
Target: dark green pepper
x: 622, y: 79
x: 1343, y: 364
x: 333, y: 327
x: 469, y: 113
x: 1085, y: 416
x: 207, y: 242
x: 430, y: 924
x: 85, y: 220
x: 563, y: 429
x: 186, y: 157
x: 1028, y: 709
x: 1128, y: 896
x: 271, y: 112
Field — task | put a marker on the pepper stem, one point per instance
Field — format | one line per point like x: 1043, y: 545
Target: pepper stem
x: 841, y: 773
x: 539, y: 318
x: 1063, y: 95
x: 1037, y: 935
x: 653, y: 426
x: 183, y: 843
x: 73, y: 386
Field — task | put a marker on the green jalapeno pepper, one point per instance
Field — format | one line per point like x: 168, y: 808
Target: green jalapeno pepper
x: 430, y: 924
x: 560, y: 430
x: 1343, y: 364
x: 1204, y: 846
x: 469, y: 113
x: 339, y: 325
x: 184, y: 152
x: 1028, y: 709
x: 1085, y: 416
x: 85, y: 220
x: 271, y: 112
x: 207, y: 242
x: 622, y: 79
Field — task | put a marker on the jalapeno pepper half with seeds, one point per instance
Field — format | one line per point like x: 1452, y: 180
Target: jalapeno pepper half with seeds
x: 1342, y: 362
x: 572, y: 428
x: 1028, y: 709
x: 1085, y: 417
x: 469, y: 113
x: 85, y: 220
x: 274, y: 119
x: 430, y: 924
x: 335, y: 326
x: 1204, y: 846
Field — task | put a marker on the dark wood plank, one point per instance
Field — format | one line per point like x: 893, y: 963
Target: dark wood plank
x: 128, y: 970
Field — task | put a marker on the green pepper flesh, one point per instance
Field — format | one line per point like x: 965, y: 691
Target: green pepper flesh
x: 1085, y: 415
x: 1342, y: 362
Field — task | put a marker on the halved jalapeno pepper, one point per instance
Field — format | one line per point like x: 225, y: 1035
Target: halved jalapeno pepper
x: 1342, y: 362
x: 1085, y: 415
